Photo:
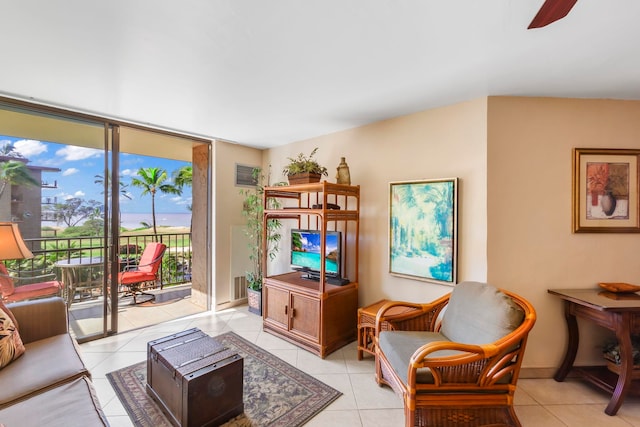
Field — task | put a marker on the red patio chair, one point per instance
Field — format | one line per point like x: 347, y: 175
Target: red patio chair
x: 12, y: 292
x: 135, y: 276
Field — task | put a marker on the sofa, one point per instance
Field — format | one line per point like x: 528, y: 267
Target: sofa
x: 49, y: 383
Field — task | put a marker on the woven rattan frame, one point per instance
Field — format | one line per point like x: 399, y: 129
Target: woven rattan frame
x: 475, y: 388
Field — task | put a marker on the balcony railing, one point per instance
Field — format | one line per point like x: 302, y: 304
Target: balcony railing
x: 175, y: 268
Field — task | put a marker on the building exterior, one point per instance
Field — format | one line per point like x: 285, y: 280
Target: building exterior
x: 23, y: 203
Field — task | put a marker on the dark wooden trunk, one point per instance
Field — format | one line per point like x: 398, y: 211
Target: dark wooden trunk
x: 195, y: 379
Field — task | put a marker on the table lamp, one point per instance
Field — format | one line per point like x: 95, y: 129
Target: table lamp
x: 12, y: 245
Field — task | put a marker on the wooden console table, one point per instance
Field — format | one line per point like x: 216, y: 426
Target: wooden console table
x: 619, y: 313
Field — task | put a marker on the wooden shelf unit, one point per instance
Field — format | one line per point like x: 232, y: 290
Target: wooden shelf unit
x: 314, y: 315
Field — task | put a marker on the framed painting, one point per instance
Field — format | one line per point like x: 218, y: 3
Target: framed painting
x: 423, y: 222
x: 605, y: 191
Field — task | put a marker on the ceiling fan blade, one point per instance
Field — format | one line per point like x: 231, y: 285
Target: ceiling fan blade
x: 551, y: 11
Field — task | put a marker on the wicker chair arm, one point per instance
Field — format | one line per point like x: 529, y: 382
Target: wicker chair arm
x: 468, y: 353
x: 417, y: 317
x: 478, y: 364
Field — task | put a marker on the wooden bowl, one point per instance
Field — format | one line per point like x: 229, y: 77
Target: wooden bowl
x: 619, y: 288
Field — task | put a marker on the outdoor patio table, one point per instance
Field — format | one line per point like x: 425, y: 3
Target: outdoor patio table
x: 80, y: 274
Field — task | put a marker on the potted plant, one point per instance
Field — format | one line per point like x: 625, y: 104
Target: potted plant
x: 252, y: 210
x: 303, y: 169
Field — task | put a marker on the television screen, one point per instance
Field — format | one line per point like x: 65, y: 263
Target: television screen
x: 305, y: 251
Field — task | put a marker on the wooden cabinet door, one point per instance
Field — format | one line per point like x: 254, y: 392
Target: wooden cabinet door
x: 276, y: 307
x: 305, y: 316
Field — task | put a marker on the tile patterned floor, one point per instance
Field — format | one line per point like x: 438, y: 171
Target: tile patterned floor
x: 539, y: 402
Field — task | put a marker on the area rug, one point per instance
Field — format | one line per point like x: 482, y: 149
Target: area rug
x: 276, y: 394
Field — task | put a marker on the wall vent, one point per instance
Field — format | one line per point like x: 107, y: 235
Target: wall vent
x: 244, y: 176
x: 239, y: 287
x: 240, y: 263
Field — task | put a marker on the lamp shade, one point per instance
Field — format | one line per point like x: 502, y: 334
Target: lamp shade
x: 11, y: 244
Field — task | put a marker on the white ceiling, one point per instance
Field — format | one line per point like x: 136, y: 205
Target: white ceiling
x: 269, y: 72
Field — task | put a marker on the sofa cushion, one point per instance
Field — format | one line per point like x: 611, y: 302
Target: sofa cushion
x: 398, y: 346
x: 70, y: 404
x: 478, y: 313
x: 45, y: 364
x: 11, y: 346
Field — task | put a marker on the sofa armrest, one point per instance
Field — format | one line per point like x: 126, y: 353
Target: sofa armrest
x: 40, y: 318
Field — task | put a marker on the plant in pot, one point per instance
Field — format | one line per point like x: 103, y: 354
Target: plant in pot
x: 303, y: 169
x: 252, y: 210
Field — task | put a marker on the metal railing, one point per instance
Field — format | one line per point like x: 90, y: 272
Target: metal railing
x: 175, y: 268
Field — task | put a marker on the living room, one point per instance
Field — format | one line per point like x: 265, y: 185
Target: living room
x: 513, y: 156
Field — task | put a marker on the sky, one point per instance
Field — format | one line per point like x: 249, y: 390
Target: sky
x: 80, y: 165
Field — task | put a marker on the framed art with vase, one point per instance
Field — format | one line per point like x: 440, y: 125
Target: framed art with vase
x: 605, y: 190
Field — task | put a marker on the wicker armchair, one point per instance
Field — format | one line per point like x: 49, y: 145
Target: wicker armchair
x: 459, y: 366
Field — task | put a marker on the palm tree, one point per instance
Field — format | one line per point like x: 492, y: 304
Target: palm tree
x: 15, y: 173
x: 99, y: 179
x: 152, y: 180
x: 9, y: 150
x: 183, y: 177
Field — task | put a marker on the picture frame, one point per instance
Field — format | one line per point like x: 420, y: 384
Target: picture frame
x: 605, y: 190
x: 423, y: 229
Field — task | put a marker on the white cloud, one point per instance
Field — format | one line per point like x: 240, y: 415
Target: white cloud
x: 79, y: 193
x: 70, y: 171
x: 127, y: 172
x: 176, y: 199
x: 70, y: 153
x: 29, y: 147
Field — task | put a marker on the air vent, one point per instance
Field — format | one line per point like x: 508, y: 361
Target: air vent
x: 239, y: 287
x: 244, y: 176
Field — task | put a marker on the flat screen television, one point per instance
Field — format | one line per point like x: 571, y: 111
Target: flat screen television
x: 305, y: 252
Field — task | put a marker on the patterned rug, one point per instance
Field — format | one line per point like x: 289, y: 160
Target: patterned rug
x: 276, y: 394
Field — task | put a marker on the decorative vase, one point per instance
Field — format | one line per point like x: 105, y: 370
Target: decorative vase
x: 254, y: 299
x: 304, y: 178
x: 608, y: 203
x: 343, y: 176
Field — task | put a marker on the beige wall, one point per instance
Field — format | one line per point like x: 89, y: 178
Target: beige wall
x: 439, y: 143
x: 513, y: 157
x: 227, y: 209
x: 201, y: 227
x: 530, y: 246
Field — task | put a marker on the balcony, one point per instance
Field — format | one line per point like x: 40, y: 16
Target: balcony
x: 45, y: 184
x: 85, y: 296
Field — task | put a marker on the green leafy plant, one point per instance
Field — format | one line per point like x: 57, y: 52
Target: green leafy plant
x: 304, y: 164
x: 252, y: 210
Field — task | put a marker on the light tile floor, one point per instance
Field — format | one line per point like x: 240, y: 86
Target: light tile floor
x: 539, y: 402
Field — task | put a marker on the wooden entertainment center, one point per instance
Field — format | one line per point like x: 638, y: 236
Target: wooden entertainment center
x: 316, y: 315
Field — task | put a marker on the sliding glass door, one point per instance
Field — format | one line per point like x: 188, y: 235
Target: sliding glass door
x: 87, y: 219
x: 63, y: 211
